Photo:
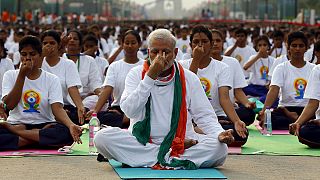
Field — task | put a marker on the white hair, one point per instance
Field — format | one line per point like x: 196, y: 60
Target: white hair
x: 162, y: 34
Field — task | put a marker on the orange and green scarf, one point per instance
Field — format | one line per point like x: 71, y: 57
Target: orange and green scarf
x: 175, y: 138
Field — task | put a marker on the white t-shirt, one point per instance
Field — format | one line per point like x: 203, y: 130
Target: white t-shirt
x: 292, y: 82
x: 277, y: 52
x: 183, y: 45
x: 5, y: 65
x: 37, y: 96
x: 312, y: 90
x: 68, y: 75
x: 14, y: 48
x: 186, y: 56
x: 243, y: 55
x: 279, y: 60
x: 16, y: 58
x: 89, y: 76
x: 215, y: 75
x: 116, y: 76
x: 259, y: 70
x: 239, y: 80
x: 308, y: 56
x: 102, y: 64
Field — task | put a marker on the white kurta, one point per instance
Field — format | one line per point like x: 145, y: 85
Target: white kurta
x: 208, y: 152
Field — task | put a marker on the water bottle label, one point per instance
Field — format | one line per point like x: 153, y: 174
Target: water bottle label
x: 91, y: 131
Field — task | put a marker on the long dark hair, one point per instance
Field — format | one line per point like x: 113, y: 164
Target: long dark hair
x: 4, y: 50
x: 316, y: 48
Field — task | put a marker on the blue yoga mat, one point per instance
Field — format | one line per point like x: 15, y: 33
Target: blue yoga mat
x: 148, y: 173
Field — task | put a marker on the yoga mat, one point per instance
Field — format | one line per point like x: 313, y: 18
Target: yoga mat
x: 275, y: 132
x: 31, y: 152
x: 234, y: 150
x: 77, y: 150
x: 275, y: 145
x: 148, y: 173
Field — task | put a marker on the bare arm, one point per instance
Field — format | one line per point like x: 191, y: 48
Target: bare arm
x: 103, y: 98
x: 251, y: 61
x: 115, y: 55
x: 230, y: 51
x: 229, y: 110
x: 308, y: 111
x: 62, y: 117
x: 13, y: 98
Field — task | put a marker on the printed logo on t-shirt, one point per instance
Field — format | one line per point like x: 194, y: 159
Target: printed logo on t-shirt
x: 238, y: 57
x: 264, y: 70
x: 206, y: 85
x: 31, y: 101
x: 184, y: 48
x: 300, y: 85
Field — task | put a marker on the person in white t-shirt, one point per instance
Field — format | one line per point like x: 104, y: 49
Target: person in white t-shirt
x: 259, y: 66
x: 244, y: 108
x: 161, y: 98
x: 67, y: 72
x: 183, y: 43
x: 5, y: 63
x: 240, y: 50
x: 87, y: 68
x: 115, y: 80
x: 103, y: 47
x: 278, y: 47
x: 306, y: 128
x: 34, y: 98
x: 279, y: 60
x: 308, y: 56
x: 289, y: 78
x: 90, y: 46
x: 316, y: 53
x: 216, y: 80
x: 118, y: 52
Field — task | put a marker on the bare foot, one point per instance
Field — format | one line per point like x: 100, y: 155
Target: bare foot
x: 189, y: 143
x: 293, y: 116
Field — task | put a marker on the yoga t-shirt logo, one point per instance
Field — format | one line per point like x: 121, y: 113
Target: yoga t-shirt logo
x: 184, y: 48
x: 239, y: 57
x: 264, y: 70
x: 31, y: 101
x: 206, y: 85
x: 300, y: 85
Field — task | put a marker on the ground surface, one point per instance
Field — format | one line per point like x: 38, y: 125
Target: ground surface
x: 237, y: 167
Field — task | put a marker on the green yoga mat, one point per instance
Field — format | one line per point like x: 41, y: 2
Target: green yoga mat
x: 276, y: 145
x: 148, y: 173
x: 81, y: 149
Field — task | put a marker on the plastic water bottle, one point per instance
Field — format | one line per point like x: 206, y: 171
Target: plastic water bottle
x: 94, y: 127
x: 268, y: 123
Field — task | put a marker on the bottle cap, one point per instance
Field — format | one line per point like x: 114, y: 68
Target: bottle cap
x: 94, y: 115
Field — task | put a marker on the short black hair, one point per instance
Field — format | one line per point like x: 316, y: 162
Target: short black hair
x: 277, y: 33
x: 297, y: 35
x: 241, y: 31
x: 52, y: 33
x: 200, y: 29
x: 32, y: 41
x: 92, y: 38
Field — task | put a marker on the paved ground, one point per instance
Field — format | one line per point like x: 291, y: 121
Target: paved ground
x: 237, y: 167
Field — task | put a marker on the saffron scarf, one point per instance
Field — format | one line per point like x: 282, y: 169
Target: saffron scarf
x: 175, y: 138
